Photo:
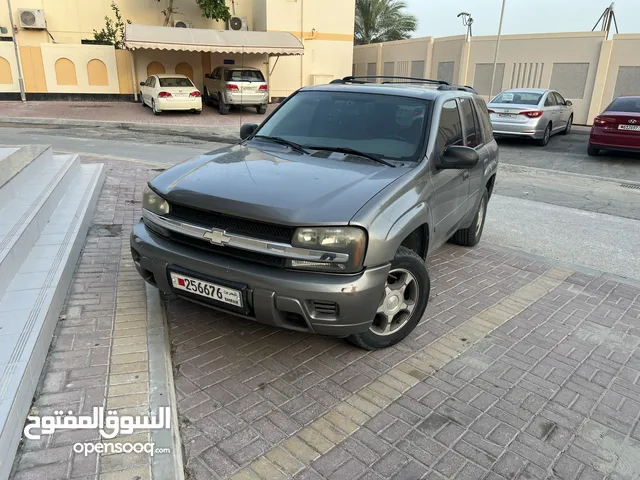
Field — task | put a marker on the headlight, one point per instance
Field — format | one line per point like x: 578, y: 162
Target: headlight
x: 154, y: 202
x: 349, y: 240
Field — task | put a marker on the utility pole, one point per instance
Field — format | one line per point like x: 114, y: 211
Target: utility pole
x: 14, y: 32
x: 495, y: 57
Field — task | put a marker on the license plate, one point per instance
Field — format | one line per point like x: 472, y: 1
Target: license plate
x: 209, y: 290
x: 629, y: 127
x: 180, y: 94
x: 507, y: 115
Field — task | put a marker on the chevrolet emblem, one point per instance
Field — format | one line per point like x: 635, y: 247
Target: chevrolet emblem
x: 217, y: 237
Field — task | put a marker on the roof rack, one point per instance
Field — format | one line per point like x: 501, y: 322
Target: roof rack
x: 442, y: 85
x: 362, y: 79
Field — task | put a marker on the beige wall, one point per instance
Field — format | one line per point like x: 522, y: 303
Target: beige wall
x: 583, y: 66
x: 8, y: 68
x: 169, y: 60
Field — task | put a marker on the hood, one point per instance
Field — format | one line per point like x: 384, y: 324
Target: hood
x: 276, y: 185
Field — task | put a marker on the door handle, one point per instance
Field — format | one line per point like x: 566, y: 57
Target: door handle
x: 465, y: 174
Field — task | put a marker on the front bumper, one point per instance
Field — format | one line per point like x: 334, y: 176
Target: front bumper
x: 277, y: 297
x: 534, y: 128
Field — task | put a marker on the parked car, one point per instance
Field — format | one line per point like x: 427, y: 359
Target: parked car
x: 321, y: 219
x: 617, y: 128
x: 531, y: 113
x: 170, y: 92
x: 236, y: 86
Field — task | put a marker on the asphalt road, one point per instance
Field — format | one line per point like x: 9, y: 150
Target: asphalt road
x: 543, y: 204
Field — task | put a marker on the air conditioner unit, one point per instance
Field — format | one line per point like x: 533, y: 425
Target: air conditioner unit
x: 238, y: 23
x: 32, y: 18
x: 182, y: 24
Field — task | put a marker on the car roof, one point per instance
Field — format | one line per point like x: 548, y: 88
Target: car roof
x: 529, y: 90
x: 170, y: 75
x: 237, y: 67
x: 627, y: 96
x: 413, y: 90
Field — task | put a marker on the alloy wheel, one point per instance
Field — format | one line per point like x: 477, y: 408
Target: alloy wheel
x: 397, y: 305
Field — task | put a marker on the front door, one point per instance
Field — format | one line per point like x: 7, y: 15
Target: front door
x: 451, y: 187
x: 473, y: 138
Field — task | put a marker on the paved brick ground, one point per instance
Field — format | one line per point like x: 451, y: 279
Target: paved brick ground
x: 98, y: 353
x: 128, y: 112
x: 519, y: 370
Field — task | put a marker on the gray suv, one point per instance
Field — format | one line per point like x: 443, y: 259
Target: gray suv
x: 321, y: 219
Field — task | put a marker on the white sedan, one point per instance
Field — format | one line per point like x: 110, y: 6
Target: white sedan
x: 170, y: 92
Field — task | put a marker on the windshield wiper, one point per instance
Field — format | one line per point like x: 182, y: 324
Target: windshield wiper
x: 353, y: 151
x: 282, y: 141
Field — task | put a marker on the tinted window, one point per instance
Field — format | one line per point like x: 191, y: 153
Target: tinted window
x: 559, y: 99
x: 550, y: 101
x: 520, y: 98
x: 450, y: 129
x: 483, y: 113
x: 175, y: 82
x: 384, y: 125
x: 625, y: 104
x: 152, y: 82
x: 471, y: 130
x: 148, y: 81
x: 243, y: 76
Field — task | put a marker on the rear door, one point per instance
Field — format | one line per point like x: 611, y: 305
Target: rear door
x: 451, y: 187
x: 474, y: 139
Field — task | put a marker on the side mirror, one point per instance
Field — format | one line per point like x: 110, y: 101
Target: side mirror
x: 247, y: 130
x: 568, y: 103
x: 459, y: 158
x: 142, y: 84
x: 207, y: 75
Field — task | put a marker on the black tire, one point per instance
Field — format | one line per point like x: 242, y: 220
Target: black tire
x: 470, y: 237
x: 545, y: 138
x: 223, y: 108
x: 142, y: 100
x: 205, y: 97
x: 567, y: 129
x: 409, y: 261
x: 592, y: 151
x: 262, y: 109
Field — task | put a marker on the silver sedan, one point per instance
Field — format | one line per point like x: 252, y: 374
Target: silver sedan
x: 532, y: 113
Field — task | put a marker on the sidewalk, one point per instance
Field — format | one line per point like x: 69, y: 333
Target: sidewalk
x: 130, y: 115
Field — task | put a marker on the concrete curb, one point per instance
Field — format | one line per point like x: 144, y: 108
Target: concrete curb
x: 515, y: 168
x: 220, y: 134
x: 167, y: 466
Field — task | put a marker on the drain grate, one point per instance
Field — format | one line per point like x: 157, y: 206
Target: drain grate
x: 628, y: 185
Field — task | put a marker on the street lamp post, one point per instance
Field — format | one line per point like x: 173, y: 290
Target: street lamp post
x: 495, y: 57
x: 23, y: 96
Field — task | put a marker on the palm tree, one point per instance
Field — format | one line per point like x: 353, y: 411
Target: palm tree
x: 382, y: 21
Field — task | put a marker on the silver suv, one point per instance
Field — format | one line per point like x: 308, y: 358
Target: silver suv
x: 236, y: 86
x: 322, y: 218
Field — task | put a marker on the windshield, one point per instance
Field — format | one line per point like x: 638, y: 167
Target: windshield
x: 520, y: 98
x: 175, y: 82
x: 386, y: 126
x: 243, y: 76
x: 625, y: 104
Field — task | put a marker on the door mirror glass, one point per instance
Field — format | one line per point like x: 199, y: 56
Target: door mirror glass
x: 207, y: 75
x: 459, y: 158
x: 142, y: 84
x: 568, y: 103
x: 247, y: 130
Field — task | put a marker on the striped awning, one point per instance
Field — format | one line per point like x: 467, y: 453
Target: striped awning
x: 217, y: 41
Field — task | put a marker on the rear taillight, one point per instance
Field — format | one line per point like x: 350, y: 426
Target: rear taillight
x: 532, y: 113
x: 194, y: 94
x: 603, y: 120
x: 490, y: 111
x: 164, y: 95
x: 231, y: 86
x: 263, y: 88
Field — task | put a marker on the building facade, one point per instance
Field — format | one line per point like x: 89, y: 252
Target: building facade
x: 584, y: 67
x: 58, y: 60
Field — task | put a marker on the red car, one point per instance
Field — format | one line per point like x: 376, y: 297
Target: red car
x: 618, y: 127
